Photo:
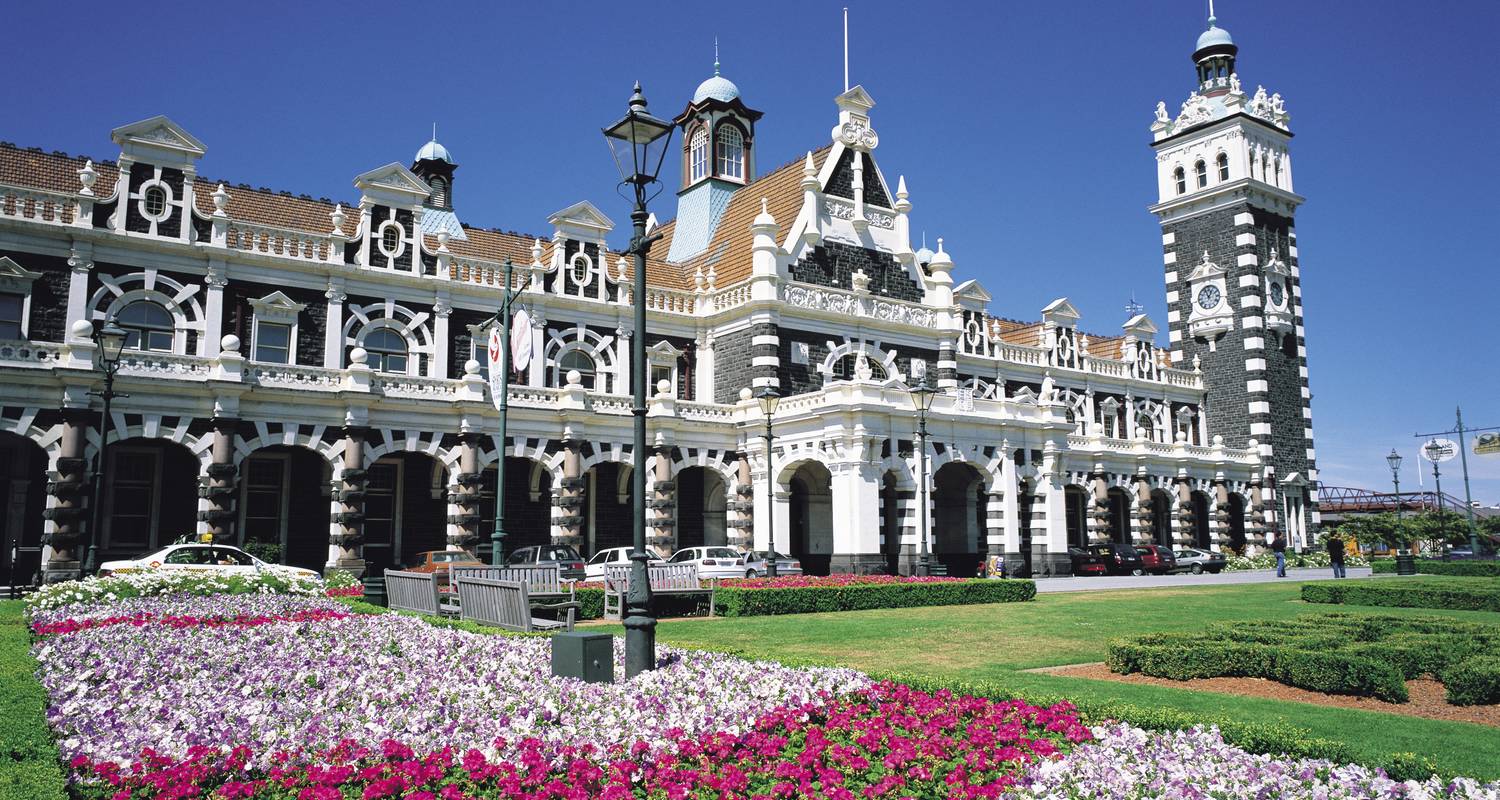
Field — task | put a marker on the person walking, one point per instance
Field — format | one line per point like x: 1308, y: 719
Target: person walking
x: 1278, y: 546
x: 1336, y: 554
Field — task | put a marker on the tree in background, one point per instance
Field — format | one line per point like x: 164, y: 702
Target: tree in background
x: 1439, y: 527
x: 1382, y: 529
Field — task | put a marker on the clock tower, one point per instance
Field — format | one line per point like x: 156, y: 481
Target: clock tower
x: 1234, y: 299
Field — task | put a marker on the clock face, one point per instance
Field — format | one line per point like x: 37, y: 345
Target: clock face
x: 1278, y: 294
x: 1208, y: 297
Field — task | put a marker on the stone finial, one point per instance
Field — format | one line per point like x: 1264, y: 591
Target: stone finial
x: 471, y: 367
x: 442, y: 240
x: 1181, y: 437
x: 746, y: 395
x: 764, y: 218
x: 338, y: 217
x: 901, y: 193
x: 712, y: 276
x: 221, y: 201
x: 83, y: 329
x: 230, y: 343
x: 1197, y: 363
x: 574, y: 377
x: 860, y: 281
x: 1218, y: 440
x: 358, y: 356
x: 699, y: 280
x: 87, y: 176
x: 809, y: 171
x: 536, y: 252
x: 663, y: 387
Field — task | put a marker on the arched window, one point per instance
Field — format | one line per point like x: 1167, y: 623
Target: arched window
x: 387, y: 351
x: 1223, y: 166
x: 439, y: 186
x: 1147, y: 424
x: 156, y: 202
x: 698, y: 154
x: 147, y: 326
x: 390, y: 239
x: 847, y: 368
x: 1201, y: 170
x: 579, y: 360
x: 731, y: 150
x: 1180, y: 177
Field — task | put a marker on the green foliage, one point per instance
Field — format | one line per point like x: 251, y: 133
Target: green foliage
x: 1473, y: 681
x: 269, y: 552
x: 732, y: 601
x: 29, y: 765
x: 1369, y: 656
x: 1387, y: 529
x: 1489, y: 569
x: 1476, y: 595
x: 1439, y: 525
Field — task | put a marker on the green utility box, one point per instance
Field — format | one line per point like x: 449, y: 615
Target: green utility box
x: 589, y: 656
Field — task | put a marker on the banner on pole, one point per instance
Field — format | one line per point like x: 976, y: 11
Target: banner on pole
x: 520, y: 340
x: 497, y: 374
x: 1487, y: 444
x: 1439, y: 450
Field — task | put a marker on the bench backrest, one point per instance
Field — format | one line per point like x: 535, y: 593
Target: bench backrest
x: 506, y: 604
x: 664, y: 577
x: 411, y: 591
x: 538, y: 579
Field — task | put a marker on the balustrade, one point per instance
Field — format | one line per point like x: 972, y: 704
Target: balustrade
x: 282, y: 242
x: 13, y: 352
x: 37, y: 205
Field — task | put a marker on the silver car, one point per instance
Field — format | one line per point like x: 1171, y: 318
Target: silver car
x: 756, y: 563
x: 713, y: 562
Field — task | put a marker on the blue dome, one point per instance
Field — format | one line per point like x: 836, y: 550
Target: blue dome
x: 1213, y: 36
x: 925, y: 255
x: 432, y: 151
x: 717, y: 87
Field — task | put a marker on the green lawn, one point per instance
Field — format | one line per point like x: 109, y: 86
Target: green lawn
x: 29, y: 768
x: 993, y: 642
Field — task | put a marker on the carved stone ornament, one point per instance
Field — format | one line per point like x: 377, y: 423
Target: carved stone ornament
x: 1196, y: 109
x: 843, y: 209
x: 858, y: 133
x: 852, y: 305
x: 862, y: 368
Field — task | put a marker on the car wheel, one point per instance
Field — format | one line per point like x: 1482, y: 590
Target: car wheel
x: 1137, y: 572
x: 750, y: 573
x: 1197, y: 569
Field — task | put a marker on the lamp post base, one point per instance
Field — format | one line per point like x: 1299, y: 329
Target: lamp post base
x: 640, y: 622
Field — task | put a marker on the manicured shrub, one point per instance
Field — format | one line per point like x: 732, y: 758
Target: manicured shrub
x: 1473, y: 681
x: 1475, y: 595
x: 741, y: 601
x: 1431, y: 566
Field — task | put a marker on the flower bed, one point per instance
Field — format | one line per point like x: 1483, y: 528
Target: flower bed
x: 154, y: 583
x: 1267, y: 560
x: 1432, y: 566
x: 1127, y: 762
x: 1370, y: 656
x: 1471, y: 594
x: 802, y: 595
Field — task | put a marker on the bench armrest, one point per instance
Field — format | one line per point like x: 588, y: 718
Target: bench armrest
x: 558, y: 606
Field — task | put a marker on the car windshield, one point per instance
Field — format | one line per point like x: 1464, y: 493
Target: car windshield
x: 188, y: 555
x: 1128, y: 551
x: 685, y: 555
x: 560, y: 552
x: 722, y: 552
x: 226, y: 557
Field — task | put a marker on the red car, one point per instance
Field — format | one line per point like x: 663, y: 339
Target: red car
x: 1085, y: 563
x: 1156, y: 559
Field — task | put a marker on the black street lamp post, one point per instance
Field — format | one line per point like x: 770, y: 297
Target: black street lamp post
x: 638, y: 142
x: 922, y: 396
x: 1394, y: 461
x: 769, y: 398
x: 110, y: 339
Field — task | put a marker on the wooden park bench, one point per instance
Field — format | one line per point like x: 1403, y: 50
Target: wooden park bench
x: 666, y: 579
x: 542, y: 582
x: 507, y: 604
x: 414, y: 591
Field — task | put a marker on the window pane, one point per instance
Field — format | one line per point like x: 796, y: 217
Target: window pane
x: 274, y: 335
x: 159, y: 340
x: 10, y: 315
x: 395, y: 363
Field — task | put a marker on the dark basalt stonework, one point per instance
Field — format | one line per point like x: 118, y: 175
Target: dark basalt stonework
x: 733, y: 357
x: 49, y: 295
x: 312, y: 320
x: 841, y: 182
x: 834, y: 263
x: 171, y: 227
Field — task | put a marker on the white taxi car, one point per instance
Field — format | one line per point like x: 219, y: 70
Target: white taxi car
x: 201, y: 558
x: 614, y: 556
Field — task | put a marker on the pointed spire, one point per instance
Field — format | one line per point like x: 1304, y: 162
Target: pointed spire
x: 901, y: 187
x: 716, y: 55
x: 1211, y: 18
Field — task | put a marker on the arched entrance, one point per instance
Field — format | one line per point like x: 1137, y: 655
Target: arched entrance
x: 701, y: 508
x: 890, y: 523
x: 1199, y: 503
x: 1237, y: 523
x: 23, y: 494
x: 957, y: 518
x: 1161, y: 517
x: 607, y: 508
x: 283, y: 506
x: 1075, y: 509
x: 528, y: 506
x: 1119, y: 515
x: 406, y: 509
x: 151, y: 498
x: 810, y: 517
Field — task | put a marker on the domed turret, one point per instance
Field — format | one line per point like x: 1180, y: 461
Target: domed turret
x: 1214, y: 56
x: 435, y: 166
x: 432, y: 151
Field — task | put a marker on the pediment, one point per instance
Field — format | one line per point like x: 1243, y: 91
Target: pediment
x: 10, y: 270
x: 1062, y: 311
x: 276, y: 302
x: 160, y: 133
x: 395, y: 179
x: 664, y: 350
x: 856, y: 99
x: 1294, y: 479
x: 972, y: 290
x: 1205, y: 269
x: 1140, y: 325
x: 582, y: 214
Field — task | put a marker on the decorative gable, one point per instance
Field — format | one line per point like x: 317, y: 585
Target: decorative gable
x: 1061, y: 313
x: 393, y: 185
x: 16, y: 278
x: 971, y: 295
x: 276, y: 307
x: 158, y: 140
x: 582, y: 220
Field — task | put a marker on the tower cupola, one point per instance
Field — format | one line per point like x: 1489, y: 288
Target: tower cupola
x: 435, y: 165
x: 1214, y: 57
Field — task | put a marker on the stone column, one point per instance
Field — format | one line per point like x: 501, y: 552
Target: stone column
x: 463, y: 495
x: 568, y: 523
x: 1218, y: 535
x: 219, y: 489
x: 1049, y: 519
x: 67, y: 503
x: 1010, y: 507
x: 346, y: 534
x: 742, y: 527
x: 856, y: 519
x: 1098, y: 508
x: 1140, y: 521
x: 662, y: 534
x: 1184, y: 522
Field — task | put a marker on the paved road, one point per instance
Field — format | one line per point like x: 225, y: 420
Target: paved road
x: 1186, y: 579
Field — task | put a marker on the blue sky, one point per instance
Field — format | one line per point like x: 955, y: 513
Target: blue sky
x: 1021, y: 129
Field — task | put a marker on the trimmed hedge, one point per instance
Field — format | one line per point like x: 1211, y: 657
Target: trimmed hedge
x: 1432, y: 566
x: 1366, y: 655
x: 1474, y: 681
x: 29, y: 764
x: 733, y: 601
x: 1479, y: 595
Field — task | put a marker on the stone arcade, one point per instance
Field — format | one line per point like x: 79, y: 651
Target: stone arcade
x: 307, y: 377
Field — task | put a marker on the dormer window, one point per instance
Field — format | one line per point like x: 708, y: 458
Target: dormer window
x: 1180, y: 177
x: 1223, y: 167
x: 698, y: 155
x: 390, y: 239
x: 155, y: 202
x: 731, y: 153
x: 1201, y: 170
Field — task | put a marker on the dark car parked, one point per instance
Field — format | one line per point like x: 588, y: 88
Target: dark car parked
x: 560, y: 555
x: 1085, y: 563
x: 1156, y: 559
x: 1191, y: 559
x: 1119, y: 559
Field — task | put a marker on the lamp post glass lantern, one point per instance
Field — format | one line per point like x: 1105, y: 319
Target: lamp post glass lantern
x: 1394, y: 461
x: 638, y: 142
x: 922, y: 396
x: 769, y: 398
x: 110, y: 340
